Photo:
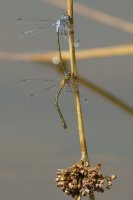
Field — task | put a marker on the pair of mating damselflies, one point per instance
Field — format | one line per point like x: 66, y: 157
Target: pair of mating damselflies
x: 62, y: 26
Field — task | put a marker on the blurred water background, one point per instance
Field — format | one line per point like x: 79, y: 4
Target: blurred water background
x: 33, y: 144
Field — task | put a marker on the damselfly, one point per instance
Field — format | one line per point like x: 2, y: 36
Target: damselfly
x: 66, y: 80
x: 62, y: 27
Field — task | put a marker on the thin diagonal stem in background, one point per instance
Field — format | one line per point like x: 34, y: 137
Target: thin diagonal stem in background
x: 105, y: 94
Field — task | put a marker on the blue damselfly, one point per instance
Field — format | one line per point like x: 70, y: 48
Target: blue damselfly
x: 61, y: 26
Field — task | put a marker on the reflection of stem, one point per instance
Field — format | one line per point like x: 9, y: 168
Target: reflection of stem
x: 57, y: 103
x: 76, y: 94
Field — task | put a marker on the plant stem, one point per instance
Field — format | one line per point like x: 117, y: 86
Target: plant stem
x: 77, y: 94
x: 75, y: 82
x: 77, y: 198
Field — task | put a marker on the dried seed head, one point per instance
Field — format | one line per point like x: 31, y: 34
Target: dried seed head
x: 99, y: 165
x: 109, y: 183
x: 113, y: 177
x: 67, y: 192
x: 81, y: 179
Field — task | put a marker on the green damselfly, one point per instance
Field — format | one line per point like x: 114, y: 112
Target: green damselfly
x: 66, y: 80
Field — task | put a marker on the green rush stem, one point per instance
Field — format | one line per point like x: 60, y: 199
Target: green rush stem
x: 58, y: 108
